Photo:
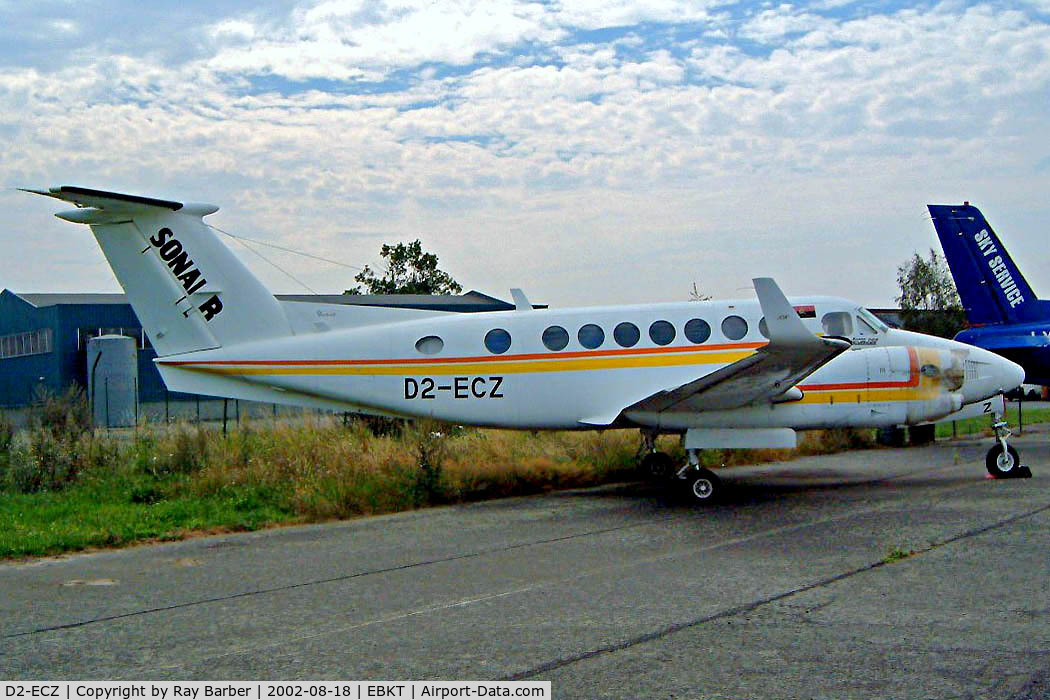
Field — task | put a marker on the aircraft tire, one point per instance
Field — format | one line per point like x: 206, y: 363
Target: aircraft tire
x: 657, y: 466
x: 702, y: 486
x: 1002, y: 465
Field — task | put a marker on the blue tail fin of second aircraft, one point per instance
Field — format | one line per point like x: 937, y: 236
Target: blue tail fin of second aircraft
x: 991, y: 287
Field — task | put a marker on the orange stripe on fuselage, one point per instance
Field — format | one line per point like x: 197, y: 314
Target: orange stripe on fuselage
x: 473, y: 359
x: 544, y: 362
x: 911, y: 381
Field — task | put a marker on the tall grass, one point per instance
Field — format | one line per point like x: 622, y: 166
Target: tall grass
x: 327, y: 471
x: 982, y: 425
x: 64, y: 488
x: 51, y: 453
x: 170, y: 482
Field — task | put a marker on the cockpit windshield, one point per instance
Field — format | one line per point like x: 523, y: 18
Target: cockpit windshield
x: 871, y: 320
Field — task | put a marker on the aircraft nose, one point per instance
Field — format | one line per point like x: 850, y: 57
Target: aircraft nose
x: 1009, y: 374
x: 988, y: 374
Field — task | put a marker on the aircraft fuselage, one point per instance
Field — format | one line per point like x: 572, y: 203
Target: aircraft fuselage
x: 576, y: 368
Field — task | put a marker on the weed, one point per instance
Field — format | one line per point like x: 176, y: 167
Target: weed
x: 7, y: 434
x: 144, y: 455
x: 429, y: 442
x: 52, y: 453
x: 841, y: 439
x: 39, y: 461
x: 896, y: 554
x: 73, y: 491
x: 145, y: 493
x: 380, y: 426
x: 189, y: 451
x: 65, y: 416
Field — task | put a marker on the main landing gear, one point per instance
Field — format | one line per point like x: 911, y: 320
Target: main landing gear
x: 699, y: 484
x: 653, y: 464
x: 695, y: 482
x: 1002, y: 461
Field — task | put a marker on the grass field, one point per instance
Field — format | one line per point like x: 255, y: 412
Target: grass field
x: 60, y: 495
x: 62, y: 488
x: 983, y: 425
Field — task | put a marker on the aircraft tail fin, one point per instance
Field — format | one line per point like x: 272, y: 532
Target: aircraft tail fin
x: 991, y: 287
x: 189, y: 291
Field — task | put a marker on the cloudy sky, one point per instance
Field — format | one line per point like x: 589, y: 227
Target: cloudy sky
x: 590, y: 152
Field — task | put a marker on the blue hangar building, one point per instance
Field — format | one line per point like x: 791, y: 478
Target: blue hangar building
x: 43, y: 337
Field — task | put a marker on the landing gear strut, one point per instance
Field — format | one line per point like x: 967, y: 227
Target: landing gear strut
x: 699, y: 484
x: 653, y: 464
x: 1002, y: 461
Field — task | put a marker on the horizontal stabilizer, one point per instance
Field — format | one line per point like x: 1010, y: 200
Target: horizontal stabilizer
x: 100, y: 199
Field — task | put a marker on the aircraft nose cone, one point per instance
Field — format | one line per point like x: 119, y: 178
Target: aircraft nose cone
x: 1010, y: 374
x: 989, y: 374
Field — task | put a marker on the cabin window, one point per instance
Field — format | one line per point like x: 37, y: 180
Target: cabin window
x: 626, y: 334
x: 591, y: 336
x: 555, y: 338
x: 661, y: 332
x: 864, y: 328
x: 872, y: 320
x: 868, y: 324
x: 734, y: 327
x: 697, y: 330
x: 763, y: 327
x: 430, y: 345
x: 838, y: 323
x: 497, y: 341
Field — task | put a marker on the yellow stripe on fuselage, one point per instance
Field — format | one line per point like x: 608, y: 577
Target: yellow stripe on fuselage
x: 847, y: 396
x: 482, y: 367
x: 859, y: 393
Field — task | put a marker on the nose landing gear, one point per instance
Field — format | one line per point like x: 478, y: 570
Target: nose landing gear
x: 1002, y: 460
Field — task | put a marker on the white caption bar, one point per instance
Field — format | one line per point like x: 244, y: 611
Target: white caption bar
x: 273, y: 690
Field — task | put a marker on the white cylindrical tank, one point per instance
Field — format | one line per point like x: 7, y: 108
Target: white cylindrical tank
x: 113, y: 380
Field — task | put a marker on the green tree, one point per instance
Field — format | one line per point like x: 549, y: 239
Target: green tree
x: 408, y: 270
x: 929, y: 301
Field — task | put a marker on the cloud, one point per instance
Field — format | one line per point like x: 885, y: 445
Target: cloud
x: 344, y: 39
x: 773, y: 25
x: 561, y: 146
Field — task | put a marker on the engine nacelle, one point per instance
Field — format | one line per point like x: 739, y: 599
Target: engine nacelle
x: 941, y: 373
x: 870, y: 387
x: 932, y: 409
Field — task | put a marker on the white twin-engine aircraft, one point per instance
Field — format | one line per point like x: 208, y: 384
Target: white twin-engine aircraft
x: 722, y: 373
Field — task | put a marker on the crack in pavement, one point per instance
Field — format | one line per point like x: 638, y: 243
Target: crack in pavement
x: 754, y: 605
x: 538, y: 585
x: 410, y: 565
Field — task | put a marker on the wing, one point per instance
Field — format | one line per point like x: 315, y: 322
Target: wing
x: 792, y: 354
